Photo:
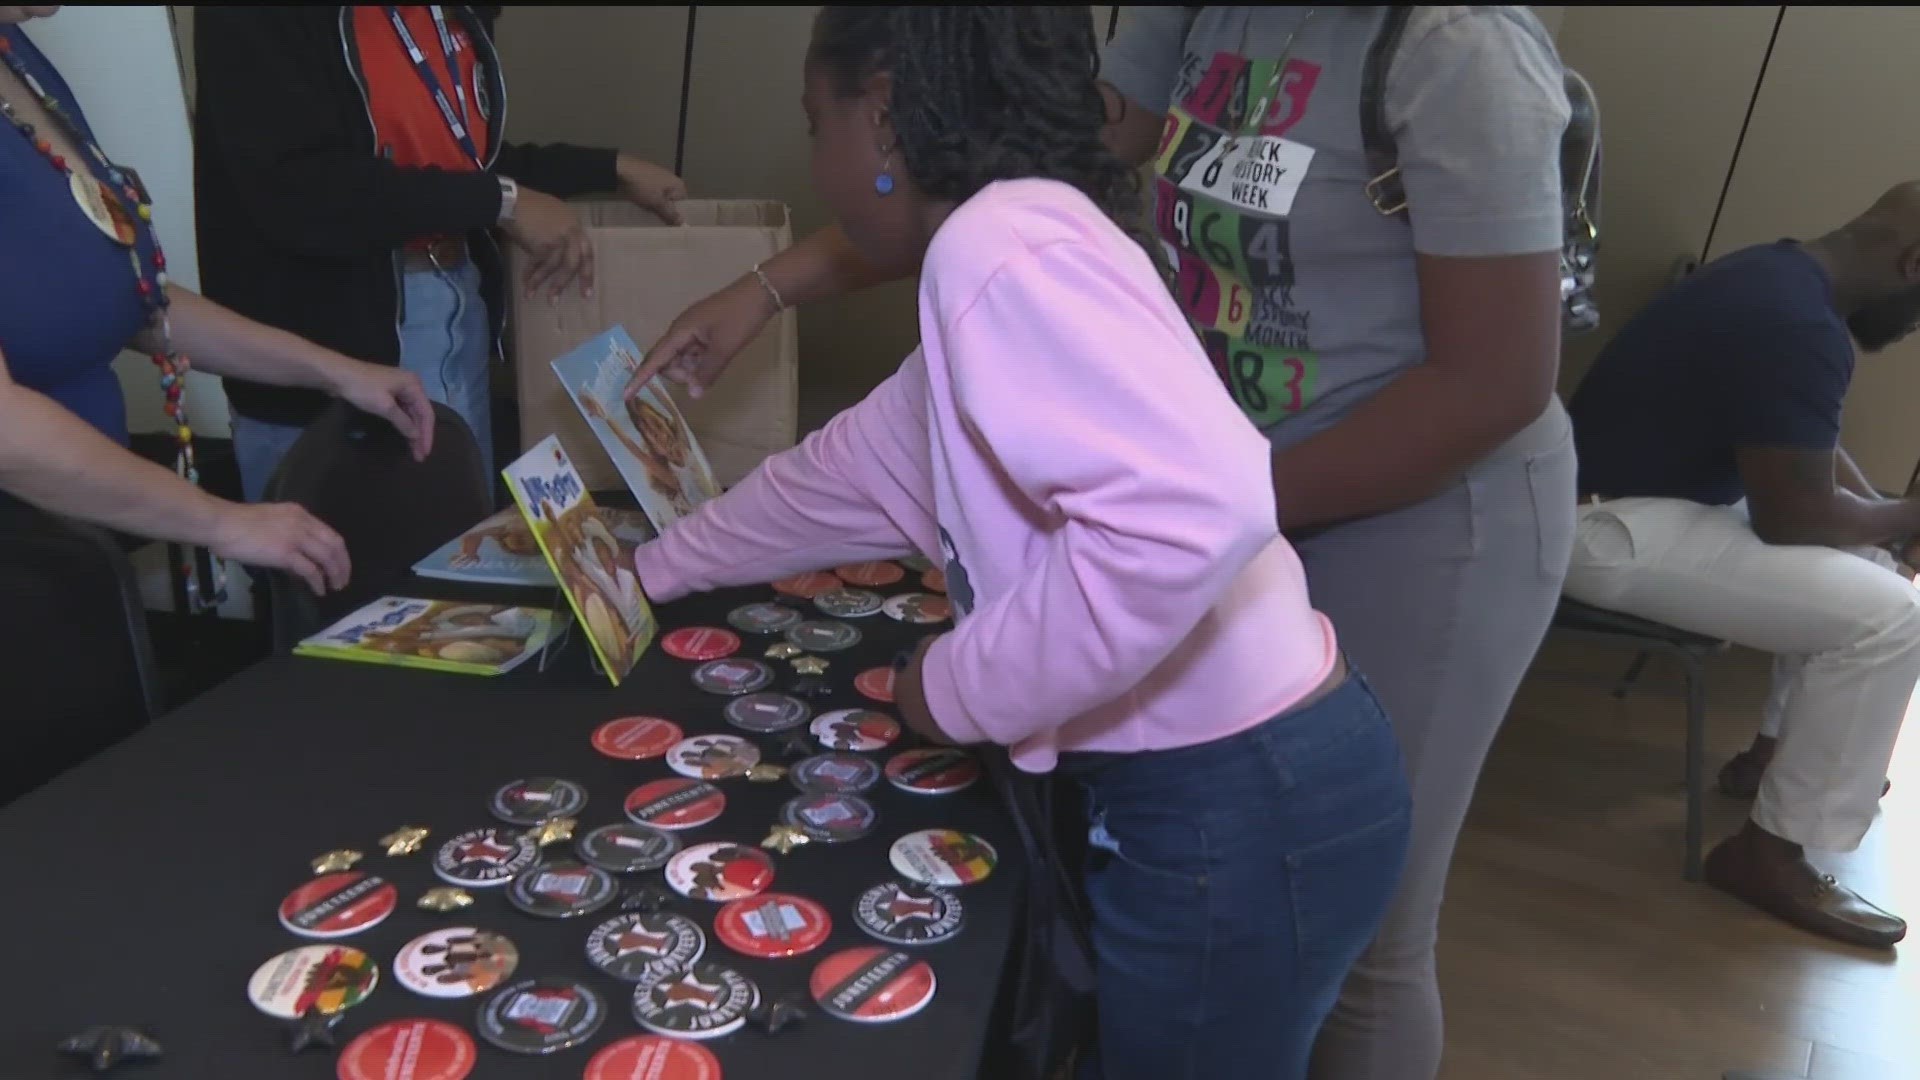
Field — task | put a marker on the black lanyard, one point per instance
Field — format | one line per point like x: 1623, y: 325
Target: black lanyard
x: 456, y: 122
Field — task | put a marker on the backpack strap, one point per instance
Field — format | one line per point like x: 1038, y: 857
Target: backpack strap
x: 1579, y: 170
x: 1382, y: 158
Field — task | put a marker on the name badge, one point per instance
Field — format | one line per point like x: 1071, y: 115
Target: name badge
x: 1261, y: 173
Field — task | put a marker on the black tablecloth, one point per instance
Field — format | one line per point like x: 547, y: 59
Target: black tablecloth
x: 141, y: 888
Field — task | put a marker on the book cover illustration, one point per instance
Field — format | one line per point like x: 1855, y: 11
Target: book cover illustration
x: 600, y: 584
x: 438, y: 635
x: 501, y: 550
x: 642, y: 429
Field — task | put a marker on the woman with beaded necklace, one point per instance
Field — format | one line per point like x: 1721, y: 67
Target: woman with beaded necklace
x: 82, y: 276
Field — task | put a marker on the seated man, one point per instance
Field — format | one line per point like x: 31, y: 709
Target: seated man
x: 1714, y: 497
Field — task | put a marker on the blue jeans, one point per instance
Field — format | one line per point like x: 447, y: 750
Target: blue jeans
x: 444, y: 338
x: 1233, y: 884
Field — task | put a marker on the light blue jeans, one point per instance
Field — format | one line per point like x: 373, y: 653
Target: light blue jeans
x: 444, y: 339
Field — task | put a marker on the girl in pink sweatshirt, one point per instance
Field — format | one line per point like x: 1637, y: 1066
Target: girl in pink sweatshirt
x: 1127, y: 612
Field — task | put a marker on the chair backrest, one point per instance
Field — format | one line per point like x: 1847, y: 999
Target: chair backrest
x: 353, y: 471
x: 77, y: 672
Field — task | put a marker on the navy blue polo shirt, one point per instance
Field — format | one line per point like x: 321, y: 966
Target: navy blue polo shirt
x: 1748, y: 351
x: 69, y: 299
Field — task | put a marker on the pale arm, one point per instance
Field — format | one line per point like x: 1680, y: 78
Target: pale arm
x: 52, y: 459
x: 221, y: 341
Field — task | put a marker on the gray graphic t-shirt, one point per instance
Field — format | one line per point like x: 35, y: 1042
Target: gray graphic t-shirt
x: 1305, y: 295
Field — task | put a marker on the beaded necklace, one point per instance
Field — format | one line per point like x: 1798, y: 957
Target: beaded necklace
x: 107, y: 206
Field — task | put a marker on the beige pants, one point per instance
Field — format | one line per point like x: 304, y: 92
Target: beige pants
x: 1843, y: 626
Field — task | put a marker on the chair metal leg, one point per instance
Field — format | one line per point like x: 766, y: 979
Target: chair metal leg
x: 1696, y: 760
x: 1632, y: 676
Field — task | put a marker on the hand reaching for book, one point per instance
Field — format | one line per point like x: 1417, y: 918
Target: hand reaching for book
x: 283, y: 536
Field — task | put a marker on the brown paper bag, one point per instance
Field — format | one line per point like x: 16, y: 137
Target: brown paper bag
x: 645, y: 273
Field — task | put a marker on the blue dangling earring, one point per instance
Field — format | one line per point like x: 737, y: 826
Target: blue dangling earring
x: 884, y: 182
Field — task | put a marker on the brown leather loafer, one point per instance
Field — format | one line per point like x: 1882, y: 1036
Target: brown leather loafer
x: 1798, y: 893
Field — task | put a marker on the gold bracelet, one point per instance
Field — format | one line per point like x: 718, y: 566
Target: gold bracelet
x: 779, y: 305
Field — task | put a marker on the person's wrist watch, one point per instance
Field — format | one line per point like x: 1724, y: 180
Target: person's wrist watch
x: 509, y: 197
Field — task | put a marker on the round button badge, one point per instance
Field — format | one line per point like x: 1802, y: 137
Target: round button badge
x: 943, y: 857
x: 908, y: 913
x: 337, y: 905
x: 704, y: 1001
x: 530, y: 802
x: 562, y: 889
x: 541, y: 1016
x: 876, y: 683
x: 720, y: 872
x: 806, y: 586
x: 484, y: 858
x: 767, y: 712
x: 822, y: 636
x: 937, y: 770
x: 871, y: 985
x: 848, y: 603
x: 457, y: 962
x: 627, y: 848
x: 916, y: 561
x: 764, y: 618
x: 869, y: 574
x: 773, y: 925
x: 651, y: 1057
x: 830, y: 819
x: 636, y: 738
x: 317, y: 978
x: 408, y: 1050
x: 918, y: 608
x: 732, y: 677
x: 644, y: 945
x: 934, y: 580
x: 834, y: 774
x: 713, y: 757
x: 699, y: 643
x: 675, y: 804
x: 858, y: 730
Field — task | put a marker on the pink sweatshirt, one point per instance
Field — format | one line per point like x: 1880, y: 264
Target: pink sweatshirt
x: 1060, y: 443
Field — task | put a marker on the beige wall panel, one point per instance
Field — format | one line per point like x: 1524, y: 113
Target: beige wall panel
x: 747, y: 138
x: 1818, y: 152
x: 596, y: 76
x: 1673, y: 84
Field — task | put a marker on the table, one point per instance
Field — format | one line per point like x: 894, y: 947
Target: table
x: 143, y: 886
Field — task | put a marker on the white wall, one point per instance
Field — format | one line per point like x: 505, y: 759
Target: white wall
x: 123, y: 67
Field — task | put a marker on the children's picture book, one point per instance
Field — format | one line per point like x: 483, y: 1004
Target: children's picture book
x: 439, y: 635
x: 602, y: 586
x: 640, y: 426
x: 501, y: 549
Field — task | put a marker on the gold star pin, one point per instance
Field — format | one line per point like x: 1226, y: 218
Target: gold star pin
x: 445, y: 899
x: 335, y: 861
x: 403, y: 841
x: 783, y: 650
x: 810, y: 665
x: 783, y: 839
x: 553, y: 830
x: 766, y: 774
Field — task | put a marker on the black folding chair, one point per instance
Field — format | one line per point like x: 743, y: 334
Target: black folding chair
x: 1692, y: 651
x: 354, y: 472
x: 78, y: 673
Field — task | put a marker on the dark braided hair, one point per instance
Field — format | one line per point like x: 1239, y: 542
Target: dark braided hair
x: 983, y: 94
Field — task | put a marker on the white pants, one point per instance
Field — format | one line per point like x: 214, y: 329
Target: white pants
x: 1843, y: 627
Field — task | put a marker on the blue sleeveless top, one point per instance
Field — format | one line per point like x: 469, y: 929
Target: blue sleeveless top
x: 69, y: 300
